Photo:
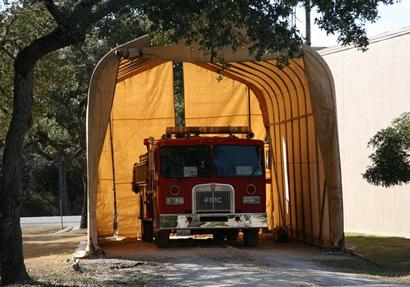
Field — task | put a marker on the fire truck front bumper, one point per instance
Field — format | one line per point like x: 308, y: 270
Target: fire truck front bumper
x: 213, y: 221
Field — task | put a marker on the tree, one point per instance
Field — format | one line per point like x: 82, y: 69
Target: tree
x: 391, y: 156
x: 59, y: 106
x: 70, y: 26
x: 262, y: 25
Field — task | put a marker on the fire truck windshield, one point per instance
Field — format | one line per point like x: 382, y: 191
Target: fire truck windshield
x: 236, y: 161
x: 197, y: 161
x: 186, y: 161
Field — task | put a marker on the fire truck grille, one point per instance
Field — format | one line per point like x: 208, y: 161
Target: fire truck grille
x: 213, y: 198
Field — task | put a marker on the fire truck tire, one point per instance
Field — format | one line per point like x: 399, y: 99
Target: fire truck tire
x: 162, y: 238
x: 250, y: 237
x: 232, y: 235
x: 147, y: 231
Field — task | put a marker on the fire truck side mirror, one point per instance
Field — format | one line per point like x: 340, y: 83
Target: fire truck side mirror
x: 135, y: 188
x: 134, y: 185
x: 149, y: 141
x: 268, y: 159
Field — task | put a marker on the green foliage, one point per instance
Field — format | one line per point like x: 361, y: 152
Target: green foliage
x: 118, y: 28
x: 347, y: 19
x: 59, y: 100
x: 214, y: 24
x: 263, y: 26
x: 20, y: 23
x: 391, y: 156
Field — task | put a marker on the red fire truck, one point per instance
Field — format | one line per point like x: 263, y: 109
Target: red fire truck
x: 193, y: 184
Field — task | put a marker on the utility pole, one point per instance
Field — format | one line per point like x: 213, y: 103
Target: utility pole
x: 307, y: 18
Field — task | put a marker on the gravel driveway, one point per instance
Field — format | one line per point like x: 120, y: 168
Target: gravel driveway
x: 190, y: 262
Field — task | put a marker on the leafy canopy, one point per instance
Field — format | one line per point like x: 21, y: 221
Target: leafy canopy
x: 59, y: 99
x: 263, y: 25
x: 391, y: 156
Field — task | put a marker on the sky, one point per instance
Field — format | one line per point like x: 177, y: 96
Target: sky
x: 392, y: 17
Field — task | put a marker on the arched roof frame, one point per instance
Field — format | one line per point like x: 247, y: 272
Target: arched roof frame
x: 298, y: 107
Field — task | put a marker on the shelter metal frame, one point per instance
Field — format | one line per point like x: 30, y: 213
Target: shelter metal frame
x: 297, y: 104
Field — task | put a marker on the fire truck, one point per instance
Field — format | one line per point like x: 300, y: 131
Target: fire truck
x: 201, y: 180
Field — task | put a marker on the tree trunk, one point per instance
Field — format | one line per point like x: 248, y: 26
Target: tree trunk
x: 12, y: 261
x: 62, y: 186
x: 83, y: 223
x: 70, y: 30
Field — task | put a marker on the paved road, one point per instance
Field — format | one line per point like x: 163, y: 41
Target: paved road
x: 68, y: 221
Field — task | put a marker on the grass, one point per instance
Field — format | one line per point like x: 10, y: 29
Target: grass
x: 383, y: 256
x: 385, y: 250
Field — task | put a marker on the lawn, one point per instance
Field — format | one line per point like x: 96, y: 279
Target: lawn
x: 374, y: 255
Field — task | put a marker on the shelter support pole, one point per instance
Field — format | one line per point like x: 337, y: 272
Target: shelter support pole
x: 115, y: 222
x: 322, y: 211
x: 249, y: 110
x: 321, y: 197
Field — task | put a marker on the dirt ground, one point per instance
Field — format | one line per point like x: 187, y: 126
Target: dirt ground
x: 188, y: 262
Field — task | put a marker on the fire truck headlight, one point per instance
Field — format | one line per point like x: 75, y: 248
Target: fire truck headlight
x: 251, y: 189
x: 174, y: 189
x: 251, y: 200
x: 174, y: 200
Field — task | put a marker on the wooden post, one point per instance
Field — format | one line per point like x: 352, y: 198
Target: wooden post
x: 307, y: 17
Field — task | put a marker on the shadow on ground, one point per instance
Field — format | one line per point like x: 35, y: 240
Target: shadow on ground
x: 372, y: 255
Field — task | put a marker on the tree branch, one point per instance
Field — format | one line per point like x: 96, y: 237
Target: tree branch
x: 55, y: 12
x: 82, y: 10
x: 107, y: 7
x: 85, y: 4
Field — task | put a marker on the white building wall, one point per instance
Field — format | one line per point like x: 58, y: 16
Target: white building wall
x: 372, y: 88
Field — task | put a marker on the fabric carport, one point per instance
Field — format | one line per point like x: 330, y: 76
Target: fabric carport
x: 131, y: 98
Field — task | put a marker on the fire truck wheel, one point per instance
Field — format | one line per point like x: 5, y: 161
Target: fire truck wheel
x: 250, y: 237
x: 147, y: 231
x: 219, y: 235
x: 162, y: 238
x: 232, y: 235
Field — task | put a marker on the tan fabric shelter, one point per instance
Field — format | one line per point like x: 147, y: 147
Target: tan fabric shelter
x: 131, y: 98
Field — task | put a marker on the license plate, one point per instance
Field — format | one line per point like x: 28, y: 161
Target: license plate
x: 183, y: 232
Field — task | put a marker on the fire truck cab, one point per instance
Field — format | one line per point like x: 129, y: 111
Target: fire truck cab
x: 190, y: 184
